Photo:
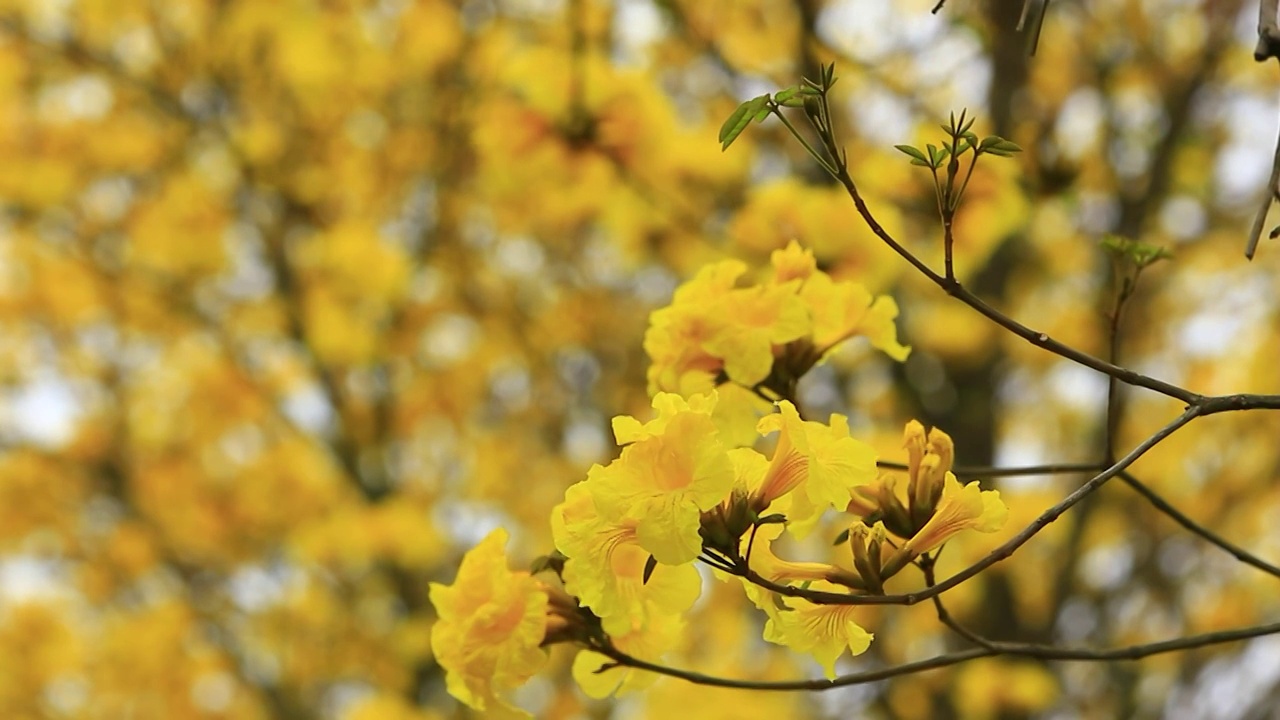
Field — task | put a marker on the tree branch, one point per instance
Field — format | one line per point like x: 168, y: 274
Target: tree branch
x: 978, y: 471
x: 1001, y: 553
x: 1196, y: 528
x: 1042, y: 652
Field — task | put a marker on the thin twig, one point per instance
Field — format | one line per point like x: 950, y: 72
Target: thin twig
x: 1001, y: 553
x: 1179, y: 517
x: 1043, y: 652
x: 978, y: 471
x: 1268, y: 33
x: 958, y: 291
x: 1271, y: 195
x: 944, y: 617
x: 1268, y: 47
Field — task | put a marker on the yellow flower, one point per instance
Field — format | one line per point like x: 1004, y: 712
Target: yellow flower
x: 792, y: 263
x: 823, y: 461
x: 605, y: 567
x: 966, y: 507
x: 677, y: 334
x: 663, y: 482
x: 492, y: 623
x: 823, y: 631
x: 714, y: 329
x: 627, y: 429
x: 929, y: 459
x: 842, y: 310
x: 649, y: 643
x: 758, y: 318
x: 777, y: 570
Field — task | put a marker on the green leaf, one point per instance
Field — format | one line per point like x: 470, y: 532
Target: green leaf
x: 938, y: 155
x: 842, y: 538
x: 772, y: 519
x: 829, y: 75
x: 912, y: 152
x: 997, y: 145
x: 1139, y: 253
x: 741, y: 118
x: 649, y: 566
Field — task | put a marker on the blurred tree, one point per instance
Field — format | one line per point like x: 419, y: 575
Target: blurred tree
x: 300, y: 299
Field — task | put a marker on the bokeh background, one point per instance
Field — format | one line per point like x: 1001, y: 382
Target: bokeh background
x: 298, y: 299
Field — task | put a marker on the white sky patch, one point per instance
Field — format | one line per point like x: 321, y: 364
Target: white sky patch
x: 1183, y: 217
x: 44, y: 411
x: 308, y: 408
x: 86, y: 97
x: 517, y: 257
x: 1079, y: 124
x: 467, y: 523
x: 637, y: 24
x: 584, y: 442
x: 884, y: 117
x: 1018, y: 452
x: 213, y: 691
x: 1228, y: 687
x: 24, y: 578
x: 449, y: 339
x: 1232, y: 306
x: 870, y: 29
x: 1242, y: 167
x: 255, y: 588
x: 1078, y: 387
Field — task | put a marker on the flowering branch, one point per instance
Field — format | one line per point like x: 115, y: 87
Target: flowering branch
x: 994, y: 648
x: 1000, y: 553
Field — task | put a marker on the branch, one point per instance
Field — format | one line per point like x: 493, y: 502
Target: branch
x: 1268, y: 47
x: 1213, y: 538
x: 858, y: 678
x: 1268, y: 34
x: 1043, y: 652
x: 1272, y: 191
x: 979, y: 471
x: 956, y: 290
x: 1001, y: 553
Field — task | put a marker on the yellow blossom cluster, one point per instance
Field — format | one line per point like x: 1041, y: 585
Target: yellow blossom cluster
x: 767, y: 334
x: 689, y: 485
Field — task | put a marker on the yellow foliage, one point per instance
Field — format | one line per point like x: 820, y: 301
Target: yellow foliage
x: 300, y: 299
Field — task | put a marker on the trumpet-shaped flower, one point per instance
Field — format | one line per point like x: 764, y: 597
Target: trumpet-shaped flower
x: 792, y: 263
x: 492, y: 623
x: 661, y: 484
x: 758, y: 318
x: 962, y: 507
x: 764, y: 562
x: 677, y: 334
x: 649, y: 643
x: 605, y: 567
x: 718, y: 328
x: 818, y: 465
x: 929, y: 459
x: 627, y: 429
x: 823, y: 631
